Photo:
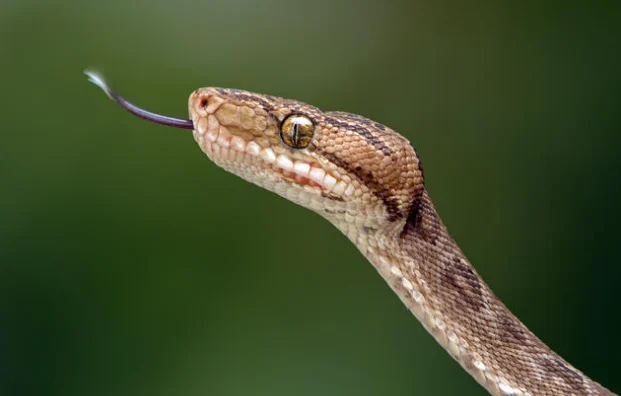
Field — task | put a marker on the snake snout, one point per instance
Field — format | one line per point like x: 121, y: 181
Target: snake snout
x: 228, y: 108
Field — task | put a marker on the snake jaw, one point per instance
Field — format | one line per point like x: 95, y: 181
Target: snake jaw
x: 244, y: 139
x: 224, y: 150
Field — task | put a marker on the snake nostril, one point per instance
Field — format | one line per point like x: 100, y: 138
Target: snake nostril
x: 204, y: 102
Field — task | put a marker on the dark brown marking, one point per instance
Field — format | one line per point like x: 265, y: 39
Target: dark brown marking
x: 381, y: 192
x: 420, y: 166
x: 335, y: 211
x: 414, y: 216
x: 356, y: 118
x: 558, y: 368
x: 423, y: 219
x: 414, y: 211
x: 380, y: 126
x: 251, y: 98
x: 332, y: 196
x: 366, y: 133
x: 465, y: 281
x: 513, y: 329
x: 242, y: 96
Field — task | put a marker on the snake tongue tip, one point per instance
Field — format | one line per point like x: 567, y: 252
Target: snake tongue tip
x: 98, y: 80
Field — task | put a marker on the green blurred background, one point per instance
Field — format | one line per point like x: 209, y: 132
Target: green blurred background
x: 131, y: 265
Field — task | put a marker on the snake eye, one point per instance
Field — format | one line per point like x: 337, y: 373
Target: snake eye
x: 297, y: 131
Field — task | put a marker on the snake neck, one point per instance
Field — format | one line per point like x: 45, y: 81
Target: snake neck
x: 432, y: 277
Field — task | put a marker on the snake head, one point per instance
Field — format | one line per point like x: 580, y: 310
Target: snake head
x: 359, y: 174
x: 343, y: 166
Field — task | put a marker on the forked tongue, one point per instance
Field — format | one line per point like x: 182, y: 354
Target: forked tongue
x: 135, y: 110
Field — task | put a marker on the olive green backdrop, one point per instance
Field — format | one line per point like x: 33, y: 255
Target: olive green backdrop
x: 131, y: 265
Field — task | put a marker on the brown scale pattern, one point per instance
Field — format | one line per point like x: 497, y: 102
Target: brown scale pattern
x: 392, y: 220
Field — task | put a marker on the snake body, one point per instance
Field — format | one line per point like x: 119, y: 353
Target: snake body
x: 368, y: 181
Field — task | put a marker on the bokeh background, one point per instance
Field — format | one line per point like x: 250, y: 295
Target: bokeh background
x: 131, y: 265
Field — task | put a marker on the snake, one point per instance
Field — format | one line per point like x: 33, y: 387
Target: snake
x: 368, y: 181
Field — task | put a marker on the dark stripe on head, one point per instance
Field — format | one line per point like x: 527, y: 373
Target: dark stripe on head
x: 381, y: 192
x: 363, y: 127
x: 252, y: 98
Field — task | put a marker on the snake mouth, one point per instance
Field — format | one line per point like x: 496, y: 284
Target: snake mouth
x: 224, y: 147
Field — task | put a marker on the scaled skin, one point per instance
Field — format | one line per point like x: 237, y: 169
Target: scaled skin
x: 367, y: 180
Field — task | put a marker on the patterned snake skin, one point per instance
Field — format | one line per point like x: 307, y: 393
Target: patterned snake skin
x: 368, y: 181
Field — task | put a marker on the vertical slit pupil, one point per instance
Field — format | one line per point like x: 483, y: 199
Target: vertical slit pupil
x: 296, y: 135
